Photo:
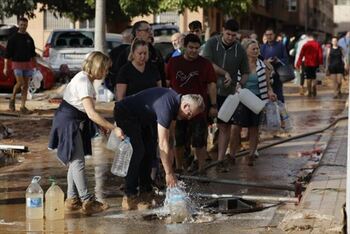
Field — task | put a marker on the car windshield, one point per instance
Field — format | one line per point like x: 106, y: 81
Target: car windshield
x: 164, y: 32
x: 73, y: 39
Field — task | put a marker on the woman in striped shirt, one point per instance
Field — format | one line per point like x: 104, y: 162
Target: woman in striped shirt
x: 259, y: 83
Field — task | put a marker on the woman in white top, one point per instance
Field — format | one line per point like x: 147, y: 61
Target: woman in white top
x: 72, y: 129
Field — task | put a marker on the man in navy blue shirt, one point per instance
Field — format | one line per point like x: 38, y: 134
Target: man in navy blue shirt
x: 162, y: 106
x: 271, y: 51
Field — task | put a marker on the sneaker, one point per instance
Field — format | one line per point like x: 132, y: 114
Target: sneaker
x: 146, y: 200
x: 12, y: 105
x: 25, y: 111
x: 73, y: 203
x: 92, y: 207
x: 130, y: 202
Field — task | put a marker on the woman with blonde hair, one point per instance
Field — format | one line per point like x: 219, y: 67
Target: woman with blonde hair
x: 73, y: 127
x: 259, y: 83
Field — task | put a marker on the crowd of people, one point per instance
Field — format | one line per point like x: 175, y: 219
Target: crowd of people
x: 166, y: 106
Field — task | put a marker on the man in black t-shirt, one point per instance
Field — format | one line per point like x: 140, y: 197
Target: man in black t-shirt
x: 155, y: 105
x: 21, y: 51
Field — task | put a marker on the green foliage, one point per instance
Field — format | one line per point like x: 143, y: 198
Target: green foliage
x: 19, y: 8
x: 229, y: 7
x: 117, y: 9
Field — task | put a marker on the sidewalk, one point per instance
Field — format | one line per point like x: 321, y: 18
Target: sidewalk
x: 321, y: 208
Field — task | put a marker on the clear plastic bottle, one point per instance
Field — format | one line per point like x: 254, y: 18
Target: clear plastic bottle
x: 122, y: 158
x: 113, y: 142
x: 177, y: 205
x: 34, y: 200
x: 54, y: 202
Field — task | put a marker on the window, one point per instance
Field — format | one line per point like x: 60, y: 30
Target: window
x: 51, y: 22
x: 292, y: 5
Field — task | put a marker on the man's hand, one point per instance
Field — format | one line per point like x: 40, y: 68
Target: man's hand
x: 227, y: 80
x: 170, y: 180
x: 272, y: 96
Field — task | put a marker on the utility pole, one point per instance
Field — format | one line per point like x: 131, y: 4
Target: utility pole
x: 100, y: 32
x: 306, y: 16
x: 100, y: 25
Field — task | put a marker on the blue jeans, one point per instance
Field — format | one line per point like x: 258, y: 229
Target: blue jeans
x: 23, y: 73
x: 76, y: 179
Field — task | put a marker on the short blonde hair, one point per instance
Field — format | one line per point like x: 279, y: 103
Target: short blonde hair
x: 246, y: 42
x: 96, y: 63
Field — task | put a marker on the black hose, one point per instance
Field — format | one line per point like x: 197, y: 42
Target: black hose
x: 245, y: 152
x: 236, y: 182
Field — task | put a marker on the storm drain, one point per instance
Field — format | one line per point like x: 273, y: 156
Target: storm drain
x: 230, y: 206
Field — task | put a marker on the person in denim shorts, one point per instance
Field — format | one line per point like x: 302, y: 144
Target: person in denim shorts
x: 21, y: 51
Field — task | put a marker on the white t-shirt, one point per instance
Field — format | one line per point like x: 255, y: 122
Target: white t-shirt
x: 77, y: 89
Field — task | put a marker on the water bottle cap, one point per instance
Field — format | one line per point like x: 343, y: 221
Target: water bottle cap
x: 36, y: 179
x: 127, y: 139
x: 52, y: 180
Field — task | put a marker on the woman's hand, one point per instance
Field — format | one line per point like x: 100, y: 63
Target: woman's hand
x: 272, y: 96
x: 119, y: 133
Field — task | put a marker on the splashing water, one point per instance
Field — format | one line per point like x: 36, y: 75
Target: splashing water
x: 178, y: 204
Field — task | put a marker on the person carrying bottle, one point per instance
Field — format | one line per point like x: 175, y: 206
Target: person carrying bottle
x: 73, y: 127
x: 136, y: 75
x: 155, y: 105
x: 258, y: 83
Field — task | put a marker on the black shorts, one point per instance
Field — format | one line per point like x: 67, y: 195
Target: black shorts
x: 337, y: 69
x: 244, y: 117
x: 194, y: 130
x: 310, y: 73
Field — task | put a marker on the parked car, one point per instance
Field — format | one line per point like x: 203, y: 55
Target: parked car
x: 163, y: 31
x: 7, y: 82
x: 67, y: 48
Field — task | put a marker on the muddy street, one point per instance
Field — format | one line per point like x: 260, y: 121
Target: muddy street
x: 276, y: 166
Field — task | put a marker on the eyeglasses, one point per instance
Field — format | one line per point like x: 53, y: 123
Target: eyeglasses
x: 195, y: 31
x: 145, y: 29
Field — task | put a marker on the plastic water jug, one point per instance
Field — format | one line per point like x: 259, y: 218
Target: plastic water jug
x: 122, y: 158
x: 251, y: 101
x: 177, y: 205
x: 228, y: 107
x: 34, y: 200
x: 286, y: 122
x: 113, y: 142
x: 54, y: 202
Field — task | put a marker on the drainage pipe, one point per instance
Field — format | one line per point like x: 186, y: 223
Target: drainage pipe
x: 236, y: 182
x: 261, y: 198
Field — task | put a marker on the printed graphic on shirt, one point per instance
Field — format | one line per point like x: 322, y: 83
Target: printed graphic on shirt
x: 183, y: 79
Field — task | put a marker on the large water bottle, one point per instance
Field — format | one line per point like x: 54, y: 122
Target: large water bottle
x: 228, y: 107
x: 250, y: 100
x: 177, y: 202
x: 122, y: 158
x: 34, y: 200
x: 54, y: 202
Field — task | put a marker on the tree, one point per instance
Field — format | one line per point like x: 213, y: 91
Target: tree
x: 19, y: 8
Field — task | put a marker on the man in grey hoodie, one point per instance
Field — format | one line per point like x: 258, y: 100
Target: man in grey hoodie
x: 228, y: 57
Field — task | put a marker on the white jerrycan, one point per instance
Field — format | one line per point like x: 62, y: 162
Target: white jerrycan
x: 228, y: 107
x: 250, y: 100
